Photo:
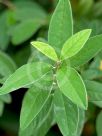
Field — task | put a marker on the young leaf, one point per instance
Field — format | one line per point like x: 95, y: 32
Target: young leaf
x: 66, y: 114
x: 94, y: 90
x: 25, y: 75
x: 46, y: 49
x: 33, y: 103
x: 72, y: 86
x: 74, y: 44
x: 87, y: 52
x: 99, y: 124
x: 61, y: 25
x: 42, y: 123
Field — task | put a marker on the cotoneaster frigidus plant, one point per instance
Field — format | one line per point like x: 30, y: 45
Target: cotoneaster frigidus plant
x: 56, y: 92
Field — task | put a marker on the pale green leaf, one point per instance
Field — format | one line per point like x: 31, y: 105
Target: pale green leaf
x: 26, y: 75
x: 94, y: 90
x: 61, y: 25
x: 99, y: 124
x: 72, y: 86
x: 33, y: 103
x: 42, y: 123
x: 87, y: 52
x: 46, y: 49
x: 74, y: 44
x: 66, y: 114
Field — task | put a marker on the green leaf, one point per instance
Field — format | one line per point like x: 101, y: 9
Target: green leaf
x: 94, y: 90
x: 1, y: 108
x: 23, y: 31
x: 7, y: 65
x: 66, y: 114
x: 6, y: 98
x: 26, y: 10
x: 99, y: 124
x: 74, y: 44
x: 4, y: 37
x: 42, y: 123
x: 46, y: 49
x: 33, y: 103
x: 72, y: 86
x: 87, y: 52
x: 81, y: 122
x: 91, y: 74
x: 61, y: 25
x: 26, y: 75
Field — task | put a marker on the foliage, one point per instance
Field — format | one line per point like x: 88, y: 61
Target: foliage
x: 62, y: 72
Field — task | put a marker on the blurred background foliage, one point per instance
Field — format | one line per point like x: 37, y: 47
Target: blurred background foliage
x: 22, y: 21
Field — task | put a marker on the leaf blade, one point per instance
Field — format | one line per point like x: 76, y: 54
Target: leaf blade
x: 90, y: 48
x: 59, y: 32
x: 99, y: 124
x: 34, y: 101
x: 45, y: 49
x: 42, y: 123
x: 66, y: 114
x: 25, y: 75
x: 94, y: 90
x: 74, y: 44
x: 72, y: 86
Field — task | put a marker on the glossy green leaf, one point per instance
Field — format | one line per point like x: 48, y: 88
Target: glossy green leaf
x: 7, y: 65
x: 23, y: 31
x: 99, y: 124
x: 46, y: 49
x: 74, y: 44
x: 72, y: 86
x: 94, y: 90
x: 61, y: 25
x: 87, y: 52
x: 42, y: 123
x: 33, y: 103
x: 66, y: 114
x: 26, y: 75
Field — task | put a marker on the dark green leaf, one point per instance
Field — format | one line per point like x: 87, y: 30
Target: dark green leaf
x: 94, y: 90
x: 99, y: 124
x: 7, y: 65
x: 24, y: 31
